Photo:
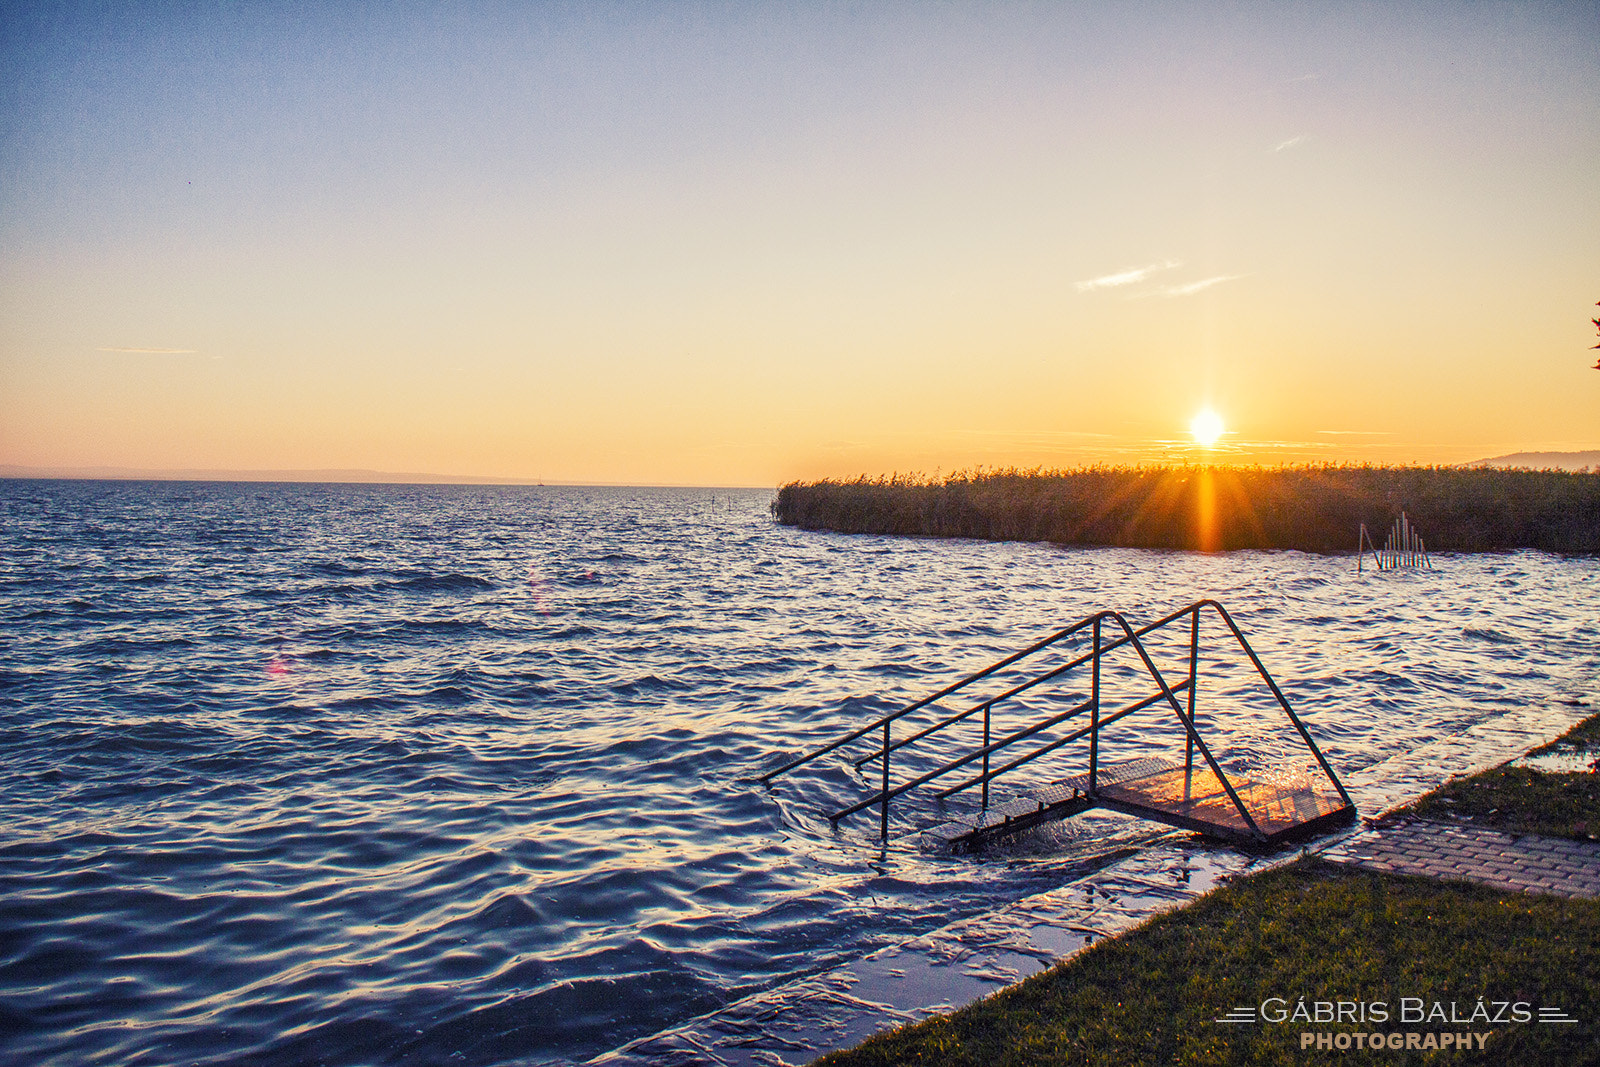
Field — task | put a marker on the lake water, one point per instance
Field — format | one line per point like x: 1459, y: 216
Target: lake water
x: 460, y: 774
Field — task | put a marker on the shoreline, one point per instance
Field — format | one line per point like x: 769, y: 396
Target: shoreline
x: 960, y: 964
x: 1425, y: 900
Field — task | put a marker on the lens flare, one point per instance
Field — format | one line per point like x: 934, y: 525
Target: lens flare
x: 1207, y: 428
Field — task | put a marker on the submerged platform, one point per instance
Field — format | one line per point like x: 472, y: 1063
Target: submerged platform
x: 1188, y: 796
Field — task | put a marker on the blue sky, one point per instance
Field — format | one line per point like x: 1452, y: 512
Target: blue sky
x: 724, y: 244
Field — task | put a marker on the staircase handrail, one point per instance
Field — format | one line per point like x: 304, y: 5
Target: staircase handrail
x: 1130, y: 636
x: 1037, y: 646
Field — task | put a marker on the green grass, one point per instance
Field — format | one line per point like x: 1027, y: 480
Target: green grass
x: 1310, y: 929
x: 1313, y: 508
x: 1523, y: 801
x: 1319, y: 931
x: 1584, y: 737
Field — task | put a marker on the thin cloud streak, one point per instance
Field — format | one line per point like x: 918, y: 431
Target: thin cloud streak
x: 150, y: 351
x: 1297, y: 139
x: 1126, y: 277
x: 1196, y: 287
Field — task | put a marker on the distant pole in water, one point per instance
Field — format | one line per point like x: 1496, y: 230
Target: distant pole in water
x: 1404, y: 547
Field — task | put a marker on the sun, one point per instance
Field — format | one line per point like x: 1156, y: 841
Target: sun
x: 1206, y: 427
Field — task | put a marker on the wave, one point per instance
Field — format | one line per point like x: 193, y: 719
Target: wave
x: 1494, y: 637
x: 449, y: 582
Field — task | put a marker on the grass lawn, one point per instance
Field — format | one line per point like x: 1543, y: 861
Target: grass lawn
x: 1311, y: 929
x: 1524, y: 801
x: 1322, y: 932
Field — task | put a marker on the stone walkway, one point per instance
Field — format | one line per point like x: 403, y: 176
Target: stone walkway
x: 1518, y: 864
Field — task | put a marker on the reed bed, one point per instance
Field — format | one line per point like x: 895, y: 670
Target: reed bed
x: 1316, y: 508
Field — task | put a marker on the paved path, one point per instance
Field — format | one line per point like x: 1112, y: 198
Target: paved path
x: 1519, y: 864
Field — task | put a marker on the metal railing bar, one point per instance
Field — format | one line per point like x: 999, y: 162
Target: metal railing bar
x: 1027, y: 731
x: 935, y: 728
x: 886, y: 750
x: 987, y: 709
x: 953, y: 687
x: 1205, y: 750
x: 1004, y: 742
x: 1023, y: 686
x: 908, y: 709
x: 1194, y: 688
x: 1013, y: 691
x: 1261, y: 669
x: 1139, y: 705
x: 1094, y: 715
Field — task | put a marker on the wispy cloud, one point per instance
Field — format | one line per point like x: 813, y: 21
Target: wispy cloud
x: 149, y: 351
x: 1283, y: 146
x: 1359, y: 433
x: 1191, y: 288
x: 1126, y: 277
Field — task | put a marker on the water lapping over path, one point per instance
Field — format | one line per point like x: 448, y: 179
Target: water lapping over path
x: 394, y: 774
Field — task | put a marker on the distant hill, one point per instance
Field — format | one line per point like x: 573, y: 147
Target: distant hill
x: 1558, y: 461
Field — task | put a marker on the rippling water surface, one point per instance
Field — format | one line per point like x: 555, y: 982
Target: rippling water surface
x: 416, y: 775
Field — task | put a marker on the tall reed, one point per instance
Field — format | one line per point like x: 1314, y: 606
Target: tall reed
x: 1315, y: 508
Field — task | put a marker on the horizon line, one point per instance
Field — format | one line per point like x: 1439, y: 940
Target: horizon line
x: 316, y: 476
x: 368, y: 476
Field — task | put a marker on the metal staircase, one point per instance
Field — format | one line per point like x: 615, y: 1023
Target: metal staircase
x: 1250, y: 805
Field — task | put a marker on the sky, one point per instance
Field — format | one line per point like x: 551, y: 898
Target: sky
x: 744, y: 243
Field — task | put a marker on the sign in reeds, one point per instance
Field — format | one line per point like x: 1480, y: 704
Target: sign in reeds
x: 1312, y: 508
x: 1403, y: 547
